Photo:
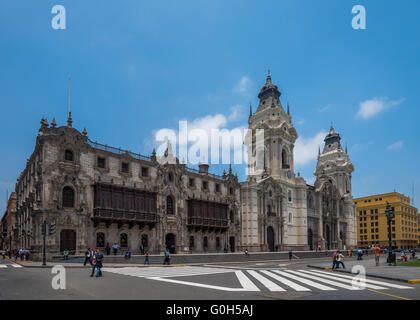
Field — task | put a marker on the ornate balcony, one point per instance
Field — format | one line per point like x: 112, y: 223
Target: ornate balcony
x: 120, y: 216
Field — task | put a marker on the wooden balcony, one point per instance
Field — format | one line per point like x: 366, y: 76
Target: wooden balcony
x: 120, y: 216
x: 208, y: 224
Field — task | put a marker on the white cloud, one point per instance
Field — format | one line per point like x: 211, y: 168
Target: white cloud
x: 306, y: 149
x: 361, y: 146
x: 301, y: 122
x: 243, y: 85
x: 396, y: 146
x: 237, y: 112
x: 372, y: 107
x: 323, y: 109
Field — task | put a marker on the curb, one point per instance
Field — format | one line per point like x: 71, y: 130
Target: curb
x: 368, y: 275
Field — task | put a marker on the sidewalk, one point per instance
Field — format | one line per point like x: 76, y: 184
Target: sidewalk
x: 399, y: 273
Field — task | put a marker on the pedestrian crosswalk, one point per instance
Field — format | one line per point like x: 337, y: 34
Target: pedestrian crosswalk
x: 4, y: 266
x: 274, y: 280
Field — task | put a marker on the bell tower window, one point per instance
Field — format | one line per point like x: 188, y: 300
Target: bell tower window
x: 68, y: 155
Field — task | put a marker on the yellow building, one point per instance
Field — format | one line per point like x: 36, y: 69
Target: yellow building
x: 371, y: 221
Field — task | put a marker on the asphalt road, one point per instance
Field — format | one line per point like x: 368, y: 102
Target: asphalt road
x: 284, y: 281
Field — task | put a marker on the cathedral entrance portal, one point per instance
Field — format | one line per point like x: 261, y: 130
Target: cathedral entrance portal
x: 310, y: 239
x: 232, y: 244
x: 328, y: 236
x: 170, y: 242
x: 270, y: 238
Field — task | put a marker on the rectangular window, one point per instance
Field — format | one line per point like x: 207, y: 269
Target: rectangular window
x: 144, y: 171
x: 205, y: 185
x: 124, y: 167
x: 101, y: 162
x: 191, y: 182
x: 217, y: 187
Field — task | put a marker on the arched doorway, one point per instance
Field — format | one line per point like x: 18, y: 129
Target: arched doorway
x: 232, y: 244
x: 270, y: 238
x: 170, y: 242
x: 310, y: 239
x: 328, y: 236
x: 68, y: 240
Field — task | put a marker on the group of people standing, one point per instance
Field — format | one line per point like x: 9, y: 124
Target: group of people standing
x: 21, y: 254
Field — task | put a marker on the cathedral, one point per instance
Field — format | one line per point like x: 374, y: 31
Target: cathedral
x: 94, y: 195
x: 279, y: 210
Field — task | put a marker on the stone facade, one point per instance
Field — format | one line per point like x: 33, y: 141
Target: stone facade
x: 93, y: 194
x: 279, y: 210
x: 68, y: 176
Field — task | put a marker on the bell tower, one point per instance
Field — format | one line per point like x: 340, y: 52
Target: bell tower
x: 271, y: 136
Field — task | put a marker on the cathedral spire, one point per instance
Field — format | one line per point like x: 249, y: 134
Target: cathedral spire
x: 250, y: 110
x: 69, y: 119
x: 332, y: 128
x: 288, y: 109
x: 268, y: 80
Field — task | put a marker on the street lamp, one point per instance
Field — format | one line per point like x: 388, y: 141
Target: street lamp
x: 389, y: 212
x: 44, y: 234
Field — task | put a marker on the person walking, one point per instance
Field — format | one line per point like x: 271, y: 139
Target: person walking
x: 108, y: 249
x: 290, y: 255
x: 146, y: 258
x: 99, y: 261
x: 93, y: 262
x: 87, y: 257
x: 377, y: 252
x: 167, y: 258
x: 334, y: 260
x: 246, y: 252
x: 339, y: 258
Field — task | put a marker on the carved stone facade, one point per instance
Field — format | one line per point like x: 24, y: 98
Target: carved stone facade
x: 279, y: 210
x: 97, y: 195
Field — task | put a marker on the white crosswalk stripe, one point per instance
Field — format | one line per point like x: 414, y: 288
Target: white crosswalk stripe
x: 289, y: 283
x: 333, y: 283
x: 365, y: 285
x: 305, y: 281
x: 10, y: 265
x: 270, y: 285
x: 382, y: 283
x: 255, y: 280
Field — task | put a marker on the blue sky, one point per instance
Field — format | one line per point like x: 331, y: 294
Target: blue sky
x: 138, y: 66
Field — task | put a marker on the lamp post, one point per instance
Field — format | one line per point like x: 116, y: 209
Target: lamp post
x: 44, y: 234
x: 389, y: 212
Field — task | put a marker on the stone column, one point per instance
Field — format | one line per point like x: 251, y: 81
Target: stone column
x: 321, y: 240
x: 339, y: 241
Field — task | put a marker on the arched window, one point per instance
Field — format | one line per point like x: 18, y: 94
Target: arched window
x: 123, y: 240
x: 290, y: 218
x: 68, y: 155
x: 145, y: 240
x: 169, y: 205
x: 100, y: 240
x: 191, y: 242
x: 231, y: 216
x: 289, y: 195
x: 310, y: 202
x: 68, y: 197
